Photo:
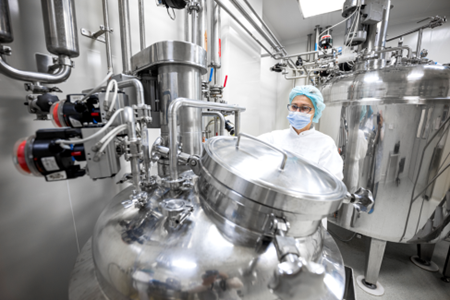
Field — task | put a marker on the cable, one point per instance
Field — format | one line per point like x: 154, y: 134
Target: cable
x: 341, y: 239
x: 113, y: 132
x: 109, y: 140
x: 81, y: 141
x: 113, y: 101
x: 98, y: 87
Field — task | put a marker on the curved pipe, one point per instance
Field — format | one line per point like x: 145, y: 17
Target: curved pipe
x: 9, y: 71
x: 173, y: 120
x: 216, y: 114
x: 397, y: 49
x: 134, y: 83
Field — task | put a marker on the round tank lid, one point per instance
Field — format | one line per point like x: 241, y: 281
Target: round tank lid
x: 170, y: 52
x: 255, y: 171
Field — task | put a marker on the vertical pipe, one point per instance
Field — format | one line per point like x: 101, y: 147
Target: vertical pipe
x: 308, y: 46
x: 6, y: 35
x: 125, y: 35
x: 130, y: 119
x: 419, y: 43
x: 237, y: 122
x: 142, y: 24
x: 316, y: 37
x: 215, y: 39
x: 210, y: 17
x: 204, y: 23
x: 107, y: 37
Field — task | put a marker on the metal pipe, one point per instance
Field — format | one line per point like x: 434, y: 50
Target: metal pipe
x: 270, y: 38
x: 215, y: 37
x: 196, y: 19
x: 308, y: 45
x: 109, y: 61
x: 301, y: 54
x: 142, y: 24
x: 396, y: 49
x: 220, y: 116
x: 60, y: 27
x: 173, y: 120
x: 125, y: 35
x: 134, y: 83
x: 9, y: 71
x: 6, y: 34
x: 435, y: 21
x: 245, y: 29
x: 130, y: 120
x: 419, y: 43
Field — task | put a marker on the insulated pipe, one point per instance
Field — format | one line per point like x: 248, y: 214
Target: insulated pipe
x: 125, y: 35
x: 220, y: 116
x: 6, y: 35
x: 107, y: 37
x: 142, y: 24
x: 197, y: 16
x: 173, y: 110
x: 60, y: 76
x: 419, y: 43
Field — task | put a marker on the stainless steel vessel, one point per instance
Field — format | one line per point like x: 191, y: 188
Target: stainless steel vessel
x: 6, y: 35
x: 215, y: 240
x: 61, y: 33
x: 391, y: 126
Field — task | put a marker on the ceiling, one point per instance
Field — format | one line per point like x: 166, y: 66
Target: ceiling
x: 287, y: 22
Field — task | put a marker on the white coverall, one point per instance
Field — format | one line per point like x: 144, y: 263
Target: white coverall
x: 312, y: 145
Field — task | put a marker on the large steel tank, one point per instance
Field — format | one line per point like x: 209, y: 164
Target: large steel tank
x: 391, y: 128
x: 213, y: 239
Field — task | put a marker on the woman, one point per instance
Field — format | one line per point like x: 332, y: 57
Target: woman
x: 305, y: 107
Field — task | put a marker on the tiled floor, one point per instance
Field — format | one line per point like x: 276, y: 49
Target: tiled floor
x: 400, y: 278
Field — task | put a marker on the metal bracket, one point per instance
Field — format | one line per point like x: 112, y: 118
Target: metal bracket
x: 98, y: 35
x: 5, y: 50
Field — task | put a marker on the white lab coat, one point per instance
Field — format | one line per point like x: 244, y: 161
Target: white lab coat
x: 312, y: 145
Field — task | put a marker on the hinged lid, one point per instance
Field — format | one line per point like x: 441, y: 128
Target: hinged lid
x: 271, y: 176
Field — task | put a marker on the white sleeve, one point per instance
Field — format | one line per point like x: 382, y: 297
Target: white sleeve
x: 332, y: 162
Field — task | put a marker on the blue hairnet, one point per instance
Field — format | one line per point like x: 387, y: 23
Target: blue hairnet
x: 313, y: 94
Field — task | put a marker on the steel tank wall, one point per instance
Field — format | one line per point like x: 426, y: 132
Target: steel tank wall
x: 38, y: 245
x: 378, y: 119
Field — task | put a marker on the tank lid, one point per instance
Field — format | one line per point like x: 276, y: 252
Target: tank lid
x: 169, y: 52
x: 272, y: 177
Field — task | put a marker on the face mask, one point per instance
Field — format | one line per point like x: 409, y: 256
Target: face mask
x: 298, y: 119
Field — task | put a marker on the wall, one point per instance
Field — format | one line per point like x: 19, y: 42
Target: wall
x: 38, y: 241
x: 250, y: 83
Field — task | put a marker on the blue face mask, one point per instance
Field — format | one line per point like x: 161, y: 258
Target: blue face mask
x: 298, y: 119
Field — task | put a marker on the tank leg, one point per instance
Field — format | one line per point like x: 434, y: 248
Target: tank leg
x: 424, y: 256
x: 369, y: 282
x: 446, y: 271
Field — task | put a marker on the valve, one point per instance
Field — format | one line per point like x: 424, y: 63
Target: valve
x: 71, y: 112
x: 40, y: 155
x: 176, y: 212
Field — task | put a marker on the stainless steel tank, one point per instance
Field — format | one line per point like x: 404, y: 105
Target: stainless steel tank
x: 6, y: 35
x: 177, y: 67
x: 214, y: 238
x: 61, y: 33
x: 381, y: 121
x: 391, y: 127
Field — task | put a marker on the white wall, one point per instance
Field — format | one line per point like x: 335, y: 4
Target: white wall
x: 38, y: 246
x: 250, y: 83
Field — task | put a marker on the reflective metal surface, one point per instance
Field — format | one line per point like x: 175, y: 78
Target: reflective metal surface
x: 61, y: 33
x: 262, y: 172
x: 6, y: 34
x: 170, y: 52
x: 389, y: 126
x: 137, y: 255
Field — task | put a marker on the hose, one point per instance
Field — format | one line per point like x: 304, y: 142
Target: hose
x: 112, y: 133
x: 98, y: 87
x: 110, y: 107
x: 81, y: 141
